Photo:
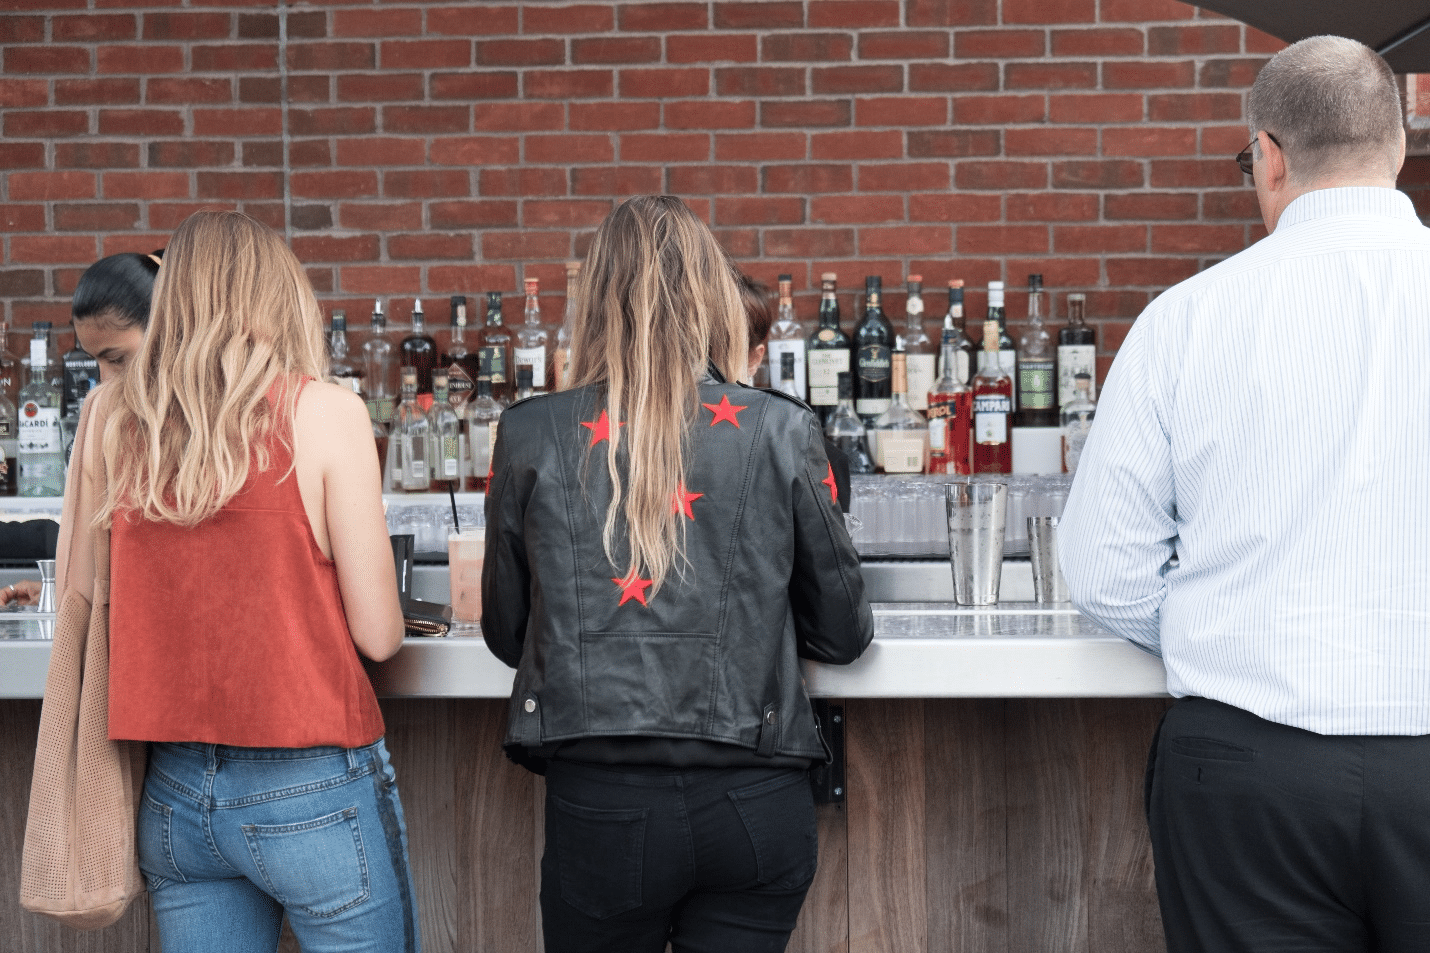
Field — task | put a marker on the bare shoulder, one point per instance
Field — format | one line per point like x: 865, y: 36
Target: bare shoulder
x: 323, y: 405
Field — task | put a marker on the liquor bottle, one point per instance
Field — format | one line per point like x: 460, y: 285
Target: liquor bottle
x: 828, y: 353
x: 12, y: 369
x: 341, y: 370
x: 1037, y: 374
x: 1077, y: 417
x: 531, y: 338
x: 950, y: 409
x: 419, y: 352
x: 846, y: 431
x: 992, y: 408
x: 81, y: 375
x: 9, y: 422
x: 964, y: 355
x: 524, y: 388
x: 1077, y: 351
x: 920, y: 353
x: 379, y: 367
x: 494, y: 350
x: 873, y: 355
x: 1007, y: 354
x: 445, y: 428
x: 54, y: 368
x: 787, y: 337
x: 561, y: 355
x: 460, y: 363
x: 788, y: 383
x: 40, y: 448
x: 902, y: 441
x: 408, y: 448
x: 480, y: 424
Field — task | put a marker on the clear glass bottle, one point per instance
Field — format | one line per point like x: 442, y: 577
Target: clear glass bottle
x: 524, y: 387
x: 460, y: 362
x: 1077, y: 415
x: 379, y: 368
x: 787, y: 383
x: 480, y: 424
x: 81, y: 375
x: 950, y: 410
x: 531, y: 339
x: 419, y: 351
x: 992, y: 408
x: 873, y: 355
x: 1006, y: 354
x: 846, y: 431
x: 901, y: 434
x: 920, y: 352
x: 787, y: 338
x: 561, y: 355
x: 828, y: 353
x: 40, y: 448
x: 1037, y: 372
x: 494, y: 350
x: 445, y: 429
x: 1077, y: 351
x: 341, y: 369
x: 408, y: 448
x: 965, y: 357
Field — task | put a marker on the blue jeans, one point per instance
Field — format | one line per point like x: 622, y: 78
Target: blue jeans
x: 230, y: 839
x: 711, y: 860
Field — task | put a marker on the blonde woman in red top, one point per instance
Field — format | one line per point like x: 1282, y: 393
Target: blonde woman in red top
x: 249, y: 568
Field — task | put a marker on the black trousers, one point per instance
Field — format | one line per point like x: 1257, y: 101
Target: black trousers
x: 1274, y: 839
x: 713, y: 860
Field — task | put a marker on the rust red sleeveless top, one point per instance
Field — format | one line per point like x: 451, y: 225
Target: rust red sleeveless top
x: 232, y: 631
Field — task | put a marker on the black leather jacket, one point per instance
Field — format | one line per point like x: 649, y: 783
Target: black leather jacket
x: 712, y: 656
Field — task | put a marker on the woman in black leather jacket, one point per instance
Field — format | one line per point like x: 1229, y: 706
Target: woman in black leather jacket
x: 662, y: 548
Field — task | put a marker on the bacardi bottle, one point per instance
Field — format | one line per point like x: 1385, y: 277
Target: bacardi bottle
x: 445, y: 428
x: 992, y: 409
x: 950, y: 412
x: 1037, y: 374
x: 787, y: 338
x: 531, y: 339
x: 40, y: 449
x: 1077, y: 351
x: 828, y: 352
x: 873, y: 355
x: 494, y: 350
x: 920, y: 352
x: 901, y: 434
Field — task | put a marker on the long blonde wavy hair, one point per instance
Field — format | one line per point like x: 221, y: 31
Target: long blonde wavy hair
x: 657, y: 302
x: 233, y: 312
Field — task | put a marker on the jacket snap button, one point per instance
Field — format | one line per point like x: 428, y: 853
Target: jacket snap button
x: 771, y: 718
x: 530, y: 705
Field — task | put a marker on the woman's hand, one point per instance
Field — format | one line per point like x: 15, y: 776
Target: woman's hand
x: 26, y: 592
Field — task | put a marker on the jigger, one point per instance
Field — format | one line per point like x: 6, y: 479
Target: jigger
x: 47, y: 585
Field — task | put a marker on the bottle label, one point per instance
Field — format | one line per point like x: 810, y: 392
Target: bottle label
x: 875, y: 363
x: 536, y: 357
x: 450, y: 456
x: 459, y: 386
x: 1074, y: 359
x: 990, y: 418
x: 494, y: 363
x: 381, y: 409
x: 1035, y: 385
x: 39, y: 429
x: 825, y: 366
x: 479, y: 441
x: 7, y: 428
x: 778, y: 348
x: 826, y: 334
x: 901, y: 453
x: 920, y: 369
x: 938, y: 430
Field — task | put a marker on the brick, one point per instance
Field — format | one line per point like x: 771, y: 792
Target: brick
x: 20, y: 282
x: 253, y: 121
x: 759, y: 210
x: 429, y: 246
x: 954, y: 207
x: 1000, y: 44
x: 189, y: 153
x: 763, y: 15
x: 24, y: 92
x: 270, y: 153
x: 1099, y: 239
x: 377, y: 23
x: 664, y: 83
x: 22, y: 155
x: 1098, y: 174
x: 996, y: 239
x: 332, y: 121
x: 1094, y: 41
x: 306, y: 153
x: 807, y: 47
x: 346, y: 184
x: 469, y: 214
x: 580, y: 18
x: 304, y: 24
x: 854, y: 145
x: 142, y: 60
x: 1161, y: 74
x: 633, y: 180
x: 427, y: 119
x: 825, y: 14
x: 380, y: 151
x: 714, y: 180
x: 855, y: 209
x: 50, y: 186
x: 953, y: 77
x: 1189, y: 40
x: 525, y: 245
x: 1143, y: 11
x: 1156, y: 272
x: 666, y: 147
x: 710, y: 114
x: 384, y: 87
x: 485, y: 84
x: 92, y: 27
x: 264, y: 89
x: 140, y: 122
x: 51, y: 249
x: 1049, y: 141
x: 808, y: 178
x: 1051, y: 207
x: 249, y: 57
x: 1197, y: 107
x: 662, y: 17
x: 148, y: 185
x: 998, y: 110
x: 615, y: 117
x: 568, y: 84
x: 49, y: 60
x: 22, y: 218
x: 1229, y: 73
x: 425, y: 183
x: 46, y: 124
x: 903, y: 177
x: 312, y: 217
x: 522, y: 52
x: 188, y: 25
x: 999, y: 176
x: 1149, y: 206
x: 96, y: 155
x: 170, y: 215
x: 521, y: 182
x: 187, y: 90
x: 257, y: 26
x: 465, y: 20
x: 1050, y: 75
x: 952, y: 144
x: 1049, y: 11
x: 563, y: 213
x: 713, y: 48
x: 378, y: 279
x: 806, y: 243
x: 832, y: 80
x: 904, y: 45
x: 243, y: 186
x: 24, y: 29
x: 808, y: 113
x: 380, y: 217
x: 425, y: 54
x: 560, y: 148
x: 1198, y: 238
x: 96, y: 217
x: 1096, y: 107
x: 738, y: 242
x: 1194, y: 173
x: 906, y: 240
x: 1238, y: 204
x: 951, y: 12
x: 761, y: 81
x: 332, y: 57
x: 470, y: 278
x: 1149, y: 141
x: 760, y: 146
x: 616, y: 49
x: 1258, y: 42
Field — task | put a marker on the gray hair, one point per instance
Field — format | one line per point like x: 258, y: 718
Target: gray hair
x: 1333, y: 106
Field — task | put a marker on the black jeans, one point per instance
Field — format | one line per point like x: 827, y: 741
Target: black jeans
x: 1268, y: 837
x: 713, y: 860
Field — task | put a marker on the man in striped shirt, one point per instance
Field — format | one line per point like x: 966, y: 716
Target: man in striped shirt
x: 1253, y: 505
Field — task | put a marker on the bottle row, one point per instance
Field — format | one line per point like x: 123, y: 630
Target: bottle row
x: 38, y: 418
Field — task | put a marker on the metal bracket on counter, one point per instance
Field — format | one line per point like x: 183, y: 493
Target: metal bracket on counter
x: 828, y: 779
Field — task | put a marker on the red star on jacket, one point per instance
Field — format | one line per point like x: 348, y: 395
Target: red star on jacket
x: 681, y: 500
x: 600, y: 428
x: 833, y: 487
x: 632, y: 588
x: 724, y: 411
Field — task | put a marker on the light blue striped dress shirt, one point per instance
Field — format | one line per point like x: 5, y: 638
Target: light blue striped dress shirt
x: 1267, y: 423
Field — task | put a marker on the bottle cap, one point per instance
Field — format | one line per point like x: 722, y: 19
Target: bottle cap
x: 955, y: 282
x: 340, y: 319
x: 829, y: 276
x: 789, y: 278
x: 1035, y: 282
x: 531, y: 285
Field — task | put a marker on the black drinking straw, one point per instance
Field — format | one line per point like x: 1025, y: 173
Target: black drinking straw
x: 452, y: 495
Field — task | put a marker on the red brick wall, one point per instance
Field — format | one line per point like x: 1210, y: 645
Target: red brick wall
x: 439, y: 149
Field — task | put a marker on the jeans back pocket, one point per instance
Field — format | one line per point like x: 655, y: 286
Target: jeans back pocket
x: 317, y: 866
x: 601, y: 854
x: 779, y: 817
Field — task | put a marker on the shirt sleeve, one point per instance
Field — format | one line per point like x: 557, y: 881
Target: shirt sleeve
x: 1119, y: 528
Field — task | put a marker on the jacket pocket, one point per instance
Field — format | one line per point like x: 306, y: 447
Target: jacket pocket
x: 660, y: 682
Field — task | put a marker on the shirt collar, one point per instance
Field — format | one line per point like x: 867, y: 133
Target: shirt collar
x: 1352, y: 200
